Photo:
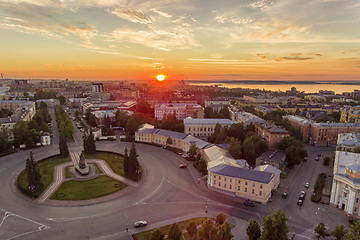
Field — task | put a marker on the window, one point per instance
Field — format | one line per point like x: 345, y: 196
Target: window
x: 224, y: 185
x: 355, y: 210
x: 245, y: 190
x: 260, y: 193
x: 230, y: 180
x: 253, y: 184
x: 219, y: 184
x: 230, y: 186
x: 224, y: 178
x: 252, y: 191
x: 238, y: 188
x: 357, y: 200
x: 260, y: 185
x: 219, y: 178
x: 345, y: 194
x: 214, y: 182
x: 214, y: 176
x: 245, y: 183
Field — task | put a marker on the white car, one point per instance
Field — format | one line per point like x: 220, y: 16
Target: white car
x: 140, y: 223
x: 307, y: 185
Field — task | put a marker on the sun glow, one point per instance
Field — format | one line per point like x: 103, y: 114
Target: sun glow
x: 160, y: 77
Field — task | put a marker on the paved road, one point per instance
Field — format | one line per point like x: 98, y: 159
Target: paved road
x: 167, y: 194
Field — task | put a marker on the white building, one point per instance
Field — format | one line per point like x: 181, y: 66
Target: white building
x: 345, y: 192
x: 246, y: 118
x: 45, y: 138
x: 181, y: 110
x: 204, y: 127
x: 348, y: 141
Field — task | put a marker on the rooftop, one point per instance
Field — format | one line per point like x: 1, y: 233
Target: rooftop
x: 171, y: 134
x: 272, y: 128
x: 349, y: 139
x: 210, y: 121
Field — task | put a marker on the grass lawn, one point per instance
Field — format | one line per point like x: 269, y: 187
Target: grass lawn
x: 165, y: 229
x: 83, y: 190
x: 115, y: 161
x: 46, y: 167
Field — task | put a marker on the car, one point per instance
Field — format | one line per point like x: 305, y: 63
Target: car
x: 305, y: 159
x: 307, y: 185
x: 302, y: 195
x: 317, y: 159
x: 82, y: 130
x: 319, y: 154
x: 300, y: 202
x: 249, y: 203
x: 284, y: 195
x: 140, y: 223
x: 183, y: 165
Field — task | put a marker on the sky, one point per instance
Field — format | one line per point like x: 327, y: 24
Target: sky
x: 182, y: 39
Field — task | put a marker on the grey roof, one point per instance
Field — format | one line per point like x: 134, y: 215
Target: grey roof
x: 272, y: 128
x: 336, y: 124
x: 244, y: 173
x: 148, y: 130
x: 223, y: 145
x: 276, y: 155
x: 199, y: 143
x: 171, y: 134
x: 210, y: 121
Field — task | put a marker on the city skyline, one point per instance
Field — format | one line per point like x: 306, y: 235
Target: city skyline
x: 182, y: 39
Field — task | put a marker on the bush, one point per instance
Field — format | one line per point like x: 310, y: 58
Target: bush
x: 319, y: 185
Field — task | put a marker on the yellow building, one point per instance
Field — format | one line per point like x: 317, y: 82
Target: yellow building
x: 351, y: 115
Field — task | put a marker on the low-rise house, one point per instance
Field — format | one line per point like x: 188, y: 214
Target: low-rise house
x: 45, y: 138
x: 275, y: 158
x: 271, y: 133
x: 204, y: 127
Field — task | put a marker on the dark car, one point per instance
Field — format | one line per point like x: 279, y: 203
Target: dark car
x: 300, y: 202
x: 140, y: 223
x: 319, y: 155
x: 317, y: 159
x: 183, y: 165
x: 305, y: 159
x: 249, y: 203
x: 284, y: 195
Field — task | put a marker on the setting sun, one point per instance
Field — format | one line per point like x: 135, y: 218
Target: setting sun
x: 160, y: 77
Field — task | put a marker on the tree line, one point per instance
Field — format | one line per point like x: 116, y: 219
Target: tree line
x: 64, y: 123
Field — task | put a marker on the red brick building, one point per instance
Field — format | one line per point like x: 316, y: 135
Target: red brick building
x: 271, y: 133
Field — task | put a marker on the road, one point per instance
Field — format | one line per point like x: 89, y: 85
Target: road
x: 166, y: 194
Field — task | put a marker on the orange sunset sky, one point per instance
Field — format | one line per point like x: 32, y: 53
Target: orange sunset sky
x: 183, y: 39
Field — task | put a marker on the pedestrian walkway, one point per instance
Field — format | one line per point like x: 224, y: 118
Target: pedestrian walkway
x: 59, y: 178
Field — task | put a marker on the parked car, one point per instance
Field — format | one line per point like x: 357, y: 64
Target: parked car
x: 305, y: 159
x: 307, y: 185
x: 319, y: 154
x: 317, y: 159
x: 284, y: 195
x: 302, y: 195
x: 140, y: 223
x: 249, y: 203
x: 183, y: 165
x: 300, y: 202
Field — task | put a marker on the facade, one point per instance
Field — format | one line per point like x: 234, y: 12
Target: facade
x: 246, y: 118
x: 97, y: 87
x: 350, y: 114
x: 204, y: 127
x: 181, y: 110
x: 262, y: 99
x: 217, y: 104
x: 45, y: 138
x: 322, y: 134
x: 345, y: 191
x: 225, y: 174
x: 271, y: 133
x: 100, y: 116
x: 275, y: 158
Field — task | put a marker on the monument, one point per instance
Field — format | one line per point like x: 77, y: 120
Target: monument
x: 82, y: 167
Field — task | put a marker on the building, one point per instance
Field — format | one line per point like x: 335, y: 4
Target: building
x: 345, y: 191
x: 246, y: 118
x: 348, y: 141
x: 49, y: 102
x: 97, y: 87
x: 204, y: 127
x: 9, y: 123
x: 100, y: 116
x: 271, y: 133
x: 275, y: 158
x: 225, y: 174
x: 264, y: 99
x: 181, y: 110
x: 322, y: 134
x: 217, y: 104
x: 350, y: 114
x: 355, y: 94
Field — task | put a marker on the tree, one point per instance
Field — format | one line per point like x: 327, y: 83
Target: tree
x: 33, y: 174
x: 235, y: 148
x: 131, y: 127
x: 224, y: 231
x: 253, y: 230
x: 208, y: 230
x: 339, y: 232
x: 320, y: 230
x: 192, y: 229
x: 133, y: 165
x: 63, y: 147
x: 224, y: 112
x: 89, y: 144
x: 202, y: 166
x: 220, y: 218
x: 274, y: 226
x: 92, y: 120
x: 5, y: 146
x: 126, y: 162
x: 354, y: 231
x: 175, y: 232
x: 157, y: 235
x: 192, y: 152
x: 169, y: 141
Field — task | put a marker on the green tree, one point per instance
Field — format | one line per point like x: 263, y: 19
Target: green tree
x: 157, y: 235
x: 320, y: 230
x: 235, y: 148
x: 133, y: 166
x: 192, y: 152
x: 33, y: 175
x: 202, y: 166
x: 63, y: 147
x: 253, y: 230
x: 224, y: 112
x: 275, y: 226
x: 92, y: 120
x: 131, y: 127
x: 169, y: 141
x: 339, y: 232
x: 89, y: 144
x: 5, y: 146
x: 192, y: 229
x: 354, y: 231
x: 126, y: 162
x: 208, y: 230
x: 220, y: 218
x: 175, y: 232
x: 224, y: 231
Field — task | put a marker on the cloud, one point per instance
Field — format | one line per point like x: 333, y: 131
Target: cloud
x: 299, y: 57
x: 351, y: 51
x: 132, y: 14
x: 263, y: 5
